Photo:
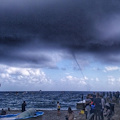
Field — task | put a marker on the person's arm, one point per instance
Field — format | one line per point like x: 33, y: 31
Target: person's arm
x: 102, y: 102
x: 25, y: 104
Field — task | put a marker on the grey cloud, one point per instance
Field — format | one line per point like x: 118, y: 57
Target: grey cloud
x: 73, y: 26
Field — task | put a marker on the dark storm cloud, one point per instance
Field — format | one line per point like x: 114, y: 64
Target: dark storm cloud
x: 76, y: 26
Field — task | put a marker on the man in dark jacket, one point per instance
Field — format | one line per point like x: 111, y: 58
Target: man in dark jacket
x: 98, y: 107
x: 23, y: 106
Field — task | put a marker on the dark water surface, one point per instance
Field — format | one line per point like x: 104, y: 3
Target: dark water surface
x: 45, y: 100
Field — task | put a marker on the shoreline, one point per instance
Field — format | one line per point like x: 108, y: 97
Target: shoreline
x: 52, y: 114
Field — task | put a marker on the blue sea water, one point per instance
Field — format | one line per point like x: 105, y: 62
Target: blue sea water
x: 44, y: 100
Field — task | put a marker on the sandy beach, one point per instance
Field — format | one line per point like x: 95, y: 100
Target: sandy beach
x: 52, y: 114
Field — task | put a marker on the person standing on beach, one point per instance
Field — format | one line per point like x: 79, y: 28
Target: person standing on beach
x: 82, y: 97
x: 58, y: 108
x: 98, y: 107
x: 87, y: 106
x: 94, y: 96
x: 103, y: 106
x: 23, y: 106
x: 3, y: 112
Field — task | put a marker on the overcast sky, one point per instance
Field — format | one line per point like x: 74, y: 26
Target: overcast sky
x: 61, y: 45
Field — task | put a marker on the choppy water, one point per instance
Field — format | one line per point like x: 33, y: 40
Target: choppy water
x: 40, y: 100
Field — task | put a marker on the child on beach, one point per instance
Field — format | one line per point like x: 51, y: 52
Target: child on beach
x: 70, y: 115
x: 58, y: 108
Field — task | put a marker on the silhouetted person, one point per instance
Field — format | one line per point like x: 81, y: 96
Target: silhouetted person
x: 98, y: 106
x: 23, y: 106
x: 82, y: 97
x: 8, y: 109
x: 3, y: 112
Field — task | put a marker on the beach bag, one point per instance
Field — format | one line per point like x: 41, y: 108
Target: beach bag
x: 82, y: 112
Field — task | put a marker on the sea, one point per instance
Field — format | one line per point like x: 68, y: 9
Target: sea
x: 41, y: 100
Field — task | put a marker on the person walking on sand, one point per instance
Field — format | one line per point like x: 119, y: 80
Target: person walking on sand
x: 23, y: 106
x: 58, y: 108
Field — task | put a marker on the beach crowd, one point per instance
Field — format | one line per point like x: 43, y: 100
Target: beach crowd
x: 100, y: 106
x: 97, y: 106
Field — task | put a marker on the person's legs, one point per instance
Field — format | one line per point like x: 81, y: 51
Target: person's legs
x: 86, y: 114
x: 102, y: 117
x: 99, y: 114
x: 95, y: 114
x: 58, y: 112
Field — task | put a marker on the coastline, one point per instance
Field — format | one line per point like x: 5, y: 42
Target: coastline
x: 52, y: 114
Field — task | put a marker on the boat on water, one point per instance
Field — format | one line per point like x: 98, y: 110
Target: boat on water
x: 21, y: 116
x: 80, y: 104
